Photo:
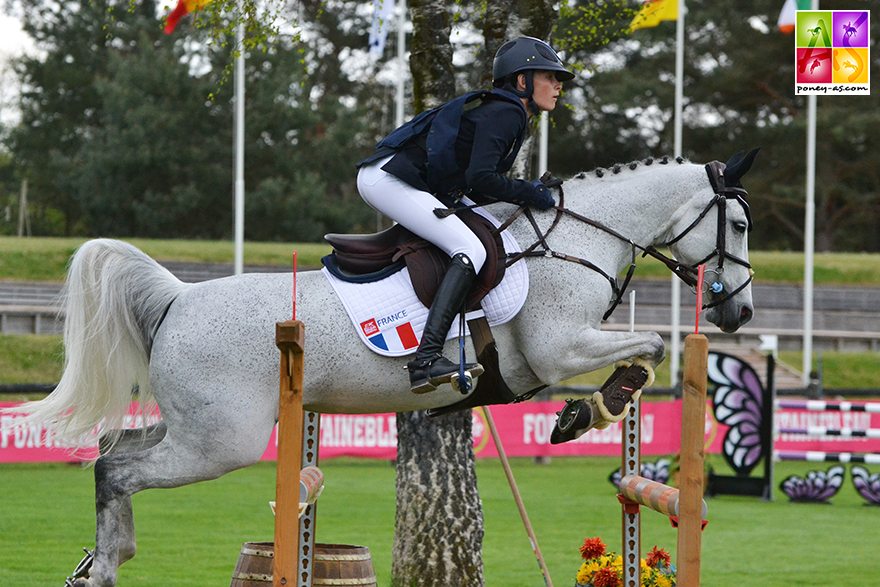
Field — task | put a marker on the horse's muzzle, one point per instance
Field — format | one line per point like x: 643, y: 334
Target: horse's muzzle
x: 730, y: 316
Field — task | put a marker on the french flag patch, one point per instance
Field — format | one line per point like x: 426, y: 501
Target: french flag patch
x: 395, y: 336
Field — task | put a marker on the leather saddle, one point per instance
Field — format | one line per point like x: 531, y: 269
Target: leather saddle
x: 370, y: 257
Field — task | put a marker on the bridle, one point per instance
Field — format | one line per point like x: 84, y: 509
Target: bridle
x: 687, y: 273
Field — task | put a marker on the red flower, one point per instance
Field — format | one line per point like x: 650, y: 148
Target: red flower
x: 592, y: 548
x: 606, y: 577
x: 656, y: 556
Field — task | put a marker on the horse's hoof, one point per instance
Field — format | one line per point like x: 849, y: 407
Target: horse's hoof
x: 575, y: 419
x: 81, y: 572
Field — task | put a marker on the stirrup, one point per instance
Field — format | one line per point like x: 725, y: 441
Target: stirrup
x: 423, y: 380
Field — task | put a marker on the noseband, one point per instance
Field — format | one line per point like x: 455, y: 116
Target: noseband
x: 687, y: 273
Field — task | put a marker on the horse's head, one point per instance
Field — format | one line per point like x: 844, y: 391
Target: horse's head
x: 713, y: 231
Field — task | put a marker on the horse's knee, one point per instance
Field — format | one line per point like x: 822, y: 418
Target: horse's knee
x: 656, y: 350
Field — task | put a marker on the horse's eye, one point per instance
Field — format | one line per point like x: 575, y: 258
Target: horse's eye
x: 740, y: 226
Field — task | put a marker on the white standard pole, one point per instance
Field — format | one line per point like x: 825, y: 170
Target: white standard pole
x: 809, y: 236
x: 542, y: 146
x: 239, y: 144
x: 401, y: 60
x: 675, y: 309
x: 632, y: 465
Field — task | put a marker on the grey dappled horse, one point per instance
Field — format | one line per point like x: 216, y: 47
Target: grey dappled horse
x: 206, y: 352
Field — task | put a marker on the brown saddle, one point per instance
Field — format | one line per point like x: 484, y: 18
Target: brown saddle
x: 364, y: 255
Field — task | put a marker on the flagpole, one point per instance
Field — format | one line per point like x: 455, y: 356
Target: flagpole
x: 675, y: 313
x: 239, y: 142
x: 809, y: 233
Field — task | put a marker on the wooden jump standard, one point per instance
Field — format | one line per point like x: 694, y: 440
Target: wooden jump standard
x: 687, y: 502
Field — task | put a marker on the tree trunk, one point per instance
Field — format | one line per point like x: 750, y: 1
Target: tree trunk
x: 431, y: 54
x: 438, y: 532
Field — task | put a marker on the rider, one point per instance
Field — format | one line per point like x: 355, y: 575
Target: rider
x: 450, y: 152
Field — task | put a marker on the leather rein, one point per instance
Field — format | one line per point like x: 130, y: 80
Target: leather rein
x: 687, y: 273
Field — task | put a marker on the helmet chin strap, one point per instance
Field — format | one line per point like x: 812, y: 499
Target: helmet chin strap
x: 528, y: 92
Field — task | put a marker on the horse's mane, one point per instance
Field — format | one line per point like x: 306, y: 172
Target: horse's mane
x: 616, y: 169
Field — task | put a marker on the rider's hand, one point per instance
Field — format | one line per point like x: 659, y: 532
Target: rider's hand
x: 541, y: 198
x: 551, y: 182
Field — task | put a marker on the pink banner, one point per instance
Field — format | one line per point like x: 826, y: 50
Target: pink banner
x: 524, y: 430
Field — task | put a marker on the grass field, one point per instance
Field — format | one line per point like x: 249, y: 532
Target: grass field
x: 45, y: 259
x: 192, y: 536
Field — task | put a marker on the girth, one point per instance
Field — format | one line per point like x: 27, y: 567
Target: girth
x: 368, y: 255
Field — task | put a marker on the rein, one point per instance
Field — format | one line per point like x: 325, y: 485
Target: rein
x: 687, y: 273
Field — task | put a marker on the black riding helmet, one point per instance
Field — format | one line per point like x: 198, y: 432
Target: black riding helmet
x: 525, y: 55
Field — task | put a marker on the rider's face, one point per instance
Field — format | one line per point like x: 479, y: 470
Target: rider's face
x: 547, y: 88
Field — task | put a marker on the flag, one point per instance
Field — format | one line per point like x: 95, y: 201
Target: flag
x: 382, y: 13
x: 399, y: 337
x: 183, y: 8
x: 788, y: 16
x: 653, y: 11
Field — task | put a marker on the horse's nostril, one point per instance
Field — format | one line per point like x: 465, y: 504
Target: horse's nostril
x: 745, y: 314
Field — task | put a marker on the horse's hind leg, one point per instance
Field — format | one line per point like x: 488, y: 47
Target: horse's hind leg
x: 130, y: 441
x: 119, y: 476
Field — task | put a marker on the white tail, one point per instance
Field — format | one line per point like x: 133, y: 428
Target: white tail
x: 115, y: 298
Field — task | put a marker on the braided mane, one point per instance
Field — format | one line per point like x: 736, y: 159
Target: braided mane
x: 601, y: 172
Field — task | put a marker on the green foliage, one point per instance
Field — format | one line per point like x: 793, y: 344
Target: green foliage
x: 120, y: 136
x: 738, y: 94
x: 586, y: 27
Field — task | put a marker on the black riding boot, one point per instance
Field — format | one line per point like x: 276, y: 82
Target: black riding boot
x: 429, y: 368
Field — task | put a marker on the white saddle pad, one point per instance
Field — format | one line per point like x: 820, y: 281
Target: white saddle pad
x: 390, y: 319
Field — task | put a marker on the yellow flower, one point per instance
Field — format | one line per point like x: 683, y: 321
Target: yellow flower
x: 587, y: 570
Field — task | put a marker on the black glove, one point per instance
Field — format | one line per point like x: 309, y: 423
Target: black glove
x: 551, y: 182
x: 541, y: 198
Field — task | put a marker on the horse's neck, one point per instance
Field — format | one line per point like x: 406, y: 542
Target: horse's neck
x: 641, y: 205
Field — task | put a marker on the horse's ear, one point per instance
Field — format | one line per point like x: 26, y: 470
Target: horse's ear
x: 737, y: 167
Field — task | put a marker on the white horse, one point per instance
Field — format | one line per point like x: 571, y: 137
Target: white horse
x: 206, y: 352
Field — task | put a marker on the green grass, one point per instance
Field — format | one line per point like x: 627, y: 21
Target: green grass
x: 192, y: 536
x: 30, y: 358
x: 45, y: 259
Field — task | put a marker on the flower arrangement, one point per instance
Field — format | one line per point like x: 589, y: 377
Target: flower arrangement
x: 605, y: 569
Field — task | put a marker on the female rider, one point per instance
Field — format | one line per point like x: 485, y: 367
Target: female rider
x: 444, y: 154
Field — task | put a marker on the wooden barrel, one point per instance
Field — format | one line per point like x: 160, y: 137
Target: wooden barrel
x: 255, y: 563
x: 342, y: 564
x: 333, y: 564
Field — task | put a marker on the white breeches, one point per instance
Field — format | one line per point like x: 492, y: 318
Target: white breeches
x: 414, y: 209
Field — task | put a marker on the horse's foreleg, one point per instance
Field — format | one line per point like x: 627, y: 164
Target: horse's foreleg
x: 570, y: 354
